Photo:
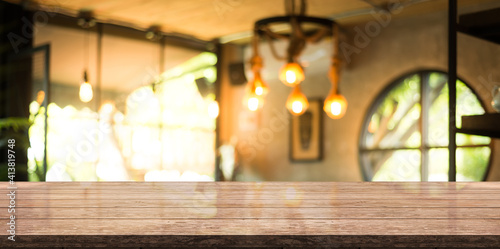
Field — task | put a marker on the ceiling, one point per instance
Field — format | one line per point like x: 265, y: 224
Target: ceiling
x: 228, y: 19
x: 130, y: 63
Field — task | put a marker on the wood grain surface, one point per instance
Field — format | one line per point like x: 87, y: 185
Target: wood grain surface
x: 470, y: 210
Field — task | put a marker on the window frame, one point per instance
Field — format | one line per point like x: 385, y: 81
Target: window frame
x: 424, y: 149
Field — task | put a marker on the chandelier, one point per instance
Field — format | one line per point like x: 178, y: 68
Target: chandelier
x: 303, y: 29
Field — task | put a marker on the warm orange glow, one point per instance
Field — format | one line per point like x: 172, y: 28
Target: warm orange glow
x: 297, y: 102
x: 335, y: 105
x: 255, y: 92
x: 258, y: 86
x: 86, y: 93
x: 254, y: 103
x: 291, y: 74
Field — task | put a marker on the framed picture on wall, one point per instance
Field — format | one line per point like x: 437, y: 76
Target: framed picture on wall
x: 306, y: 134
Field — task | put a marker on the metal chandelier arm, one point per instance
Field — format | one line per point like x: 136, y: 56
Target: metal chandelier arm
x: 301, y: 19
x: 297, y: 37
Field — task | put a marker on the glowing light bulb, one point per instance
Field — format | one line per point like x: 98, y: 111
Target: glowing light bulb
x: 253, y: 104
x: 336, y: 108
x: 297, y: 102
x: 291, y: 74
x: 335, y: 105
x: 259, y: 90
x: 255, y: 92
x: 258, y: 86
x: 213, y: 109
x: 297, y: 107
x: 290, y: 77
x: 86, y: 93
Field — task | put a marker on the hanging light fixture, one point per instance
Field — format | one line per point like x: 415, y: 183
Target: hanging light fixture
x: 253, y: 101
x: 292, y: 73
x: 86, y: 93
x: 297, y: 102
x: 335, y: 104
x: 86, y: 21
x: 256, y: 89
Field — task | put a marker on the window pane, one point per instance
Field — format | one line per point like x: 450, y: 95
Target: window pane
x: 398, y: 165
x: 467, y: 104
x: 438, y: 165
x: 395, y: 122
x: 472, y: 163
x: 464, y: 139
x: 438, y: 113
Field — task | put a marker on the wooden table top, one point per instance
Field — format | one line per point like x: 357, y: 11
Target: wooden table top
x: 325, y: 211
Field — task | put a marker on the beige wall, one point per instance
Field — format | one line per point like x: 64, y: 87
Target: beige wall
x: 403, y: 46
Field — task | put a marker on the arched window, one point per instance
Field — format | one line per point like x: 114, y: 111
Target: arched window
x: 405, y: 134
